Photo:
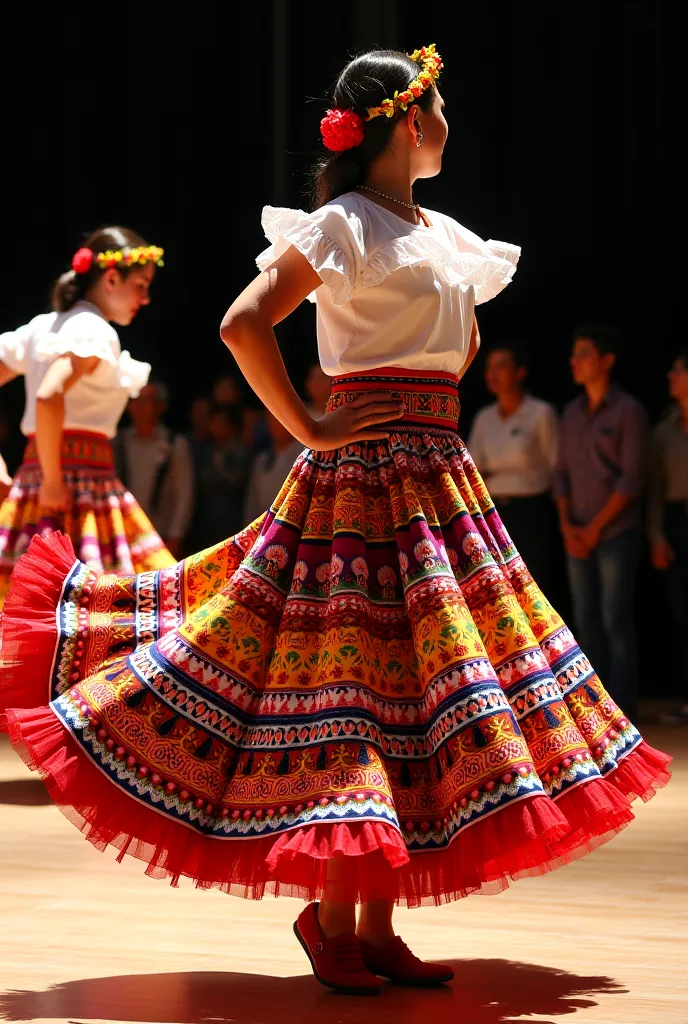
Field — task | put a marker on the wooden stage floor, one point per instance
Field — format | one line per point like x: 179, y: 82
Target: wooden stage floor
x: 83, y: 939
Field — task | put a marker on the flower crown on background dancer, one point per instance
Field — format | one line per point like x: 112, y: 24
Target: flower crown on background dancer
x: 84, y: 258
x: 343, y: 129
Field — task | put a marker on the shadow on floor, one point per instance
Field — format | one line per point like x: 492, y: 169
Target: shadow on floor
x: 484, y: 992
x: 24, y: 793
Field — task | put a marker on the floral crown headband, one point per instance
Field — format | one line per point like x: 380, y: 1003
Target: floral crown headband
x: 343, y: 129
x: 84, y: 259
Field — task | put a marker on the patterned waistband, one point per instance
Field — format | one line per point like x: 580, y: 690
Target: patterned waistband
x: 80, y: 450
x: 431, y: 398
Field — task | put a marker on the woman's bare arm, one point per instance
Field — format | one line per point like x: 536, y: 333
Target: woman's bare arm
x: 473, y: 347
x: 248, y: 331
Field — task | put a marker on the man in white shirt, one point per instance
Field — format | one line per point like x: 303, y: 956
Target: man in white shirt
x: 514, y: 444
x: 156, y: 466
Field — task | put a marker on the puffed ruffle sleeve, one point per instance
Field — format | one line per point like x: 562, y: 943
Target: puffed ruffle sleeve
x: 132, y: 374
x: 487, y: 266
x: 331, y: 239
x: 82, y: 334
x: 13, y: 348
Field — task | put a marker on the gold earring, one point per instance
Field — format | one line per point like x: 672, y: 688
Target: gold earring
x: 419, y: 138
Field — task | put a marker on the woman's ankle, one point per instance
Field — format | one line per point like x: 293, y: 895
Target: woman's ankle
x: 375, y: 923
x: 375, y: 936
x: 336, y: 919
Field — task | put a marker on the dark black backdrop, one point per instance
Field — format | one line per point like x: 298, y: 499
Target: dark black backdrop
x: 565, y: 122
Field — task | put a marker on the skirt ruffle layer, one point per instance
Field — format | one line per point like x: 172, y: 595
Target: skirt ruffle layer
x: 530, y: 837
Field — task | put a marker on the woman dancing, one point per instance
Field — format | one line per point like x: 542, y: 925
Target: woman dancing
x: 363, y: 698
x: 78, y: 382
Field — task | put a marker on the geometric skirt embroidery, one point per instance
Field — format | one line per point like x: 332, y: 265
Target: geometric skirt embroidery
x: 109, y: 530
x: 368, y: 671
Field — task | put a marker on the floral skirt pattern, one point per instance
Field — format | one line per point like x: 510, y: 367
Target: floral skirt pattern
x: 366, y: 672
x: 106, y: 525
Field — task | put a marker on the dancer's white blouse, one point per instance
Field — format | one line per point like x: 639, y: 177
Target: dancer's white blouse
x: 393, y: 293
x: 97, y: 400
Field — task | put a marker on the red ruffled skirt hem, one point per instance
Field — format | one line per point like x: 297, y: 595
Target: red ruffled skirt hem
x: 529, y: 837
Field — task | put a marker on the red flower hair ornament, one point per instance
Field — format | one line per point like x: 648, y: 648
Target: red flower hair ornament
x: 82, y: 261
x: 341, y: 130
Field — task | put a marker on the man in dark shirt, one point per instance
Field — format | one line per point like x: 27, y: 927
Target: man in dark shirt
x: 222, y: 469
x: 598, y: 485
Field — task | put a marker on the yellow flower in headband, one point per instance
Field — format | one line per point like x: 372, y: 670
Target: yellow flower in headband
x: 131, y: 257
x: 431, y: 64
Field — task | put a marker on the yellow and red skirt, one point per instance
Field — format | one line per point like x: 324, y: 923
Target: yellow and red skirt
x: 107, y: 527
x: 368, y: 671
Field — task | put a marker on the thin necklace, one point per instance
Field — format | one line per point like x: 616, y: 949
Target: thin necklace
x: 399, y: 202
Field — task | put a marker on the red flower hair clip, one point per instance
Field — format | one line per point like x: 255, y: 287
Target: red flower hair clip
x: 341, y: 130
x: 82, y: 261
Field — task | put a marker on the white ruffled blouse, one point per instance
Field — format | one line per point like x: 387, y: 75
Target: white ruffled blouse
x: 393, y: 293
x: 96, y: 402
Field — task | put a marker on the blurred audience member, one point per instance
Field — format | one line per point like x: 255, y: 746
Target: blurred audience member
x: 270, y: 470
x: 156, y: 466
x: 227, y: 394
x: 317, y: 386
x: 200, y: 412
x: 222, y: 469
x: 514, y: 444
x: 599, y: 481
x: 668, y: 516
x: 226, y: 391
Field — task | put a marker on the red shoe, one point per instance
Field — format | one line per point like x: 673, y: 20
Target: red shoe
x: 396, y: 962
x: 336, y: 963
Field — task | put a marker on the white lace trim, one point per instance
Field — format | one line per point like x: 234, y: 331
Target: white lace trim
x: 83, y: 347
x: 488, y: 272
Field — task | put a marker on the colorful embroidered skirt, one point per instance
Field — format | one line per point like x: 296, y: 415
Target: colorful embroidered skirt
x: 107, y: 527
x: 367, y: 672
